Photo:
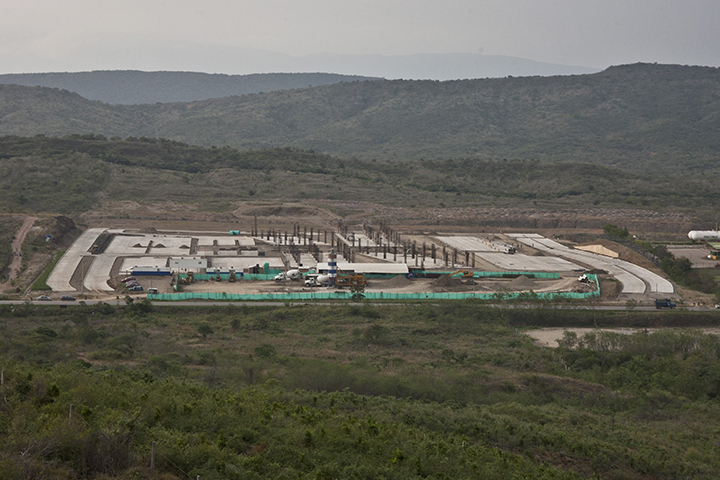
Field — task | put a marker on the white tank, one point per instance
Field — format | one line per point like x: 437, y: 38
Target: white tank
x: 704, y: 235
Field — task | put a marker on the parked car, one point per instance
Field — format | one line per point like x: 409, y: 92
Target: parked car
x: 67, y: 298
x: 44, y: 298
x: 136, y: 288
x: 132, y: 283
x: 127, y: 279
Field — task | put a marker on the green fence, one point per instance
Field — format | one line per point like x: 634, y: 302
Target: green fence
x: 207, y: 277
x: 547, y: 275
x: 346, y: 295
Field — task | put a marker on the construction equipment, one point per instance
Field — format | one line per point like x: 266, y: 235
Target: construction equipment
x: 317, y: 280
x: 188, y: 279
x: 345, y: 279
x: 293, y: 275
x: 465, y: 273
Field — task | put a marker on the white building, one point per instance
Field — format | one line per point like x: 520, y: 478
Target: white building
x: 187, y: 264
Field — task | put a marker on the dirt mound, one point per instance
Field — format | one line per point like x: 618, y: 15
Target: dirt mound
x: 522, y: 283
x: 64, y: 232
x: 447, y: 281
x: 398, y: 282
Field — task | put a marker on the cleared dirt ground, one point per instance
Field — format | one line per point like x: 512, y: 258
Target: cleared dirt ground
x: 548, y: 337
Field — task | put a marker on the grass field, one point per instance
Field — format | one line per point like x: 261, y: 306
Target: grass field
x: 354, y: 391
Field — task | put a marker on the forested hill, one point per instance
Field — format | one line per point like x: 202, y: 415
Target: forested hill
x: 645, y: 118
x: 132, y: 87
x: 74, y: 173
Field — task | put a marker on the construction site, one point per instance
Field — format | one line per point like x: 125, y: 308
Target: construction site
x: 375, y: 262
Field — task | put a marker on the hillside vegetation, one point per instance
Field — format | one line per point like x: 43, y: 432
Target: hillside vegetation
x: 74, y: 174
x: 352, y: 391
x: 658, y: 119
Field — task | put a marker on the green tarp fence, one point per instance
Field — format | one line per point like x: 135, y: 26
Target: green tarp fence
x: 346, y: 295
x: 547, y: 275
x: 207, y: 277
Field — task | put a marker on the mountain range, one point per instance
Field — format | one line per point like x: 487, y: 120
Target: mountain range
x: 643, y: 117
x: 132, y: 87
x: 188, y: 56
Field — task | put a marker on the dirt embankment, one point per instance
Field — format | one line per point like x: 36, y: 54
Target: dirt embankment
x: 17, y: 244
x: 324, y: 213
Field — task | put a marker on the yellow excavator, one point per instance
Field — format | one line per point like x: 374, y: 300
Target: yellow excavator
x: 465, y: 273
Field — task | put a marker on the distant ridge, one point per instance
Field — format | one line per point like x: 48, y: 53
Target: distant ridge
x: 639, y: 117
x: 133, y: 87
x: 440, y: 66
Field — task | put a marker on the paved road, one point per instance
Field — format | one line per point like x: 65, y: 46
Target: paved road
x: 634, y: 278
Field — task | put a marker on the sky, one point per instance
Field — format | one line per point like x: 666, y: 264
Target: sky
x: 202, y: 35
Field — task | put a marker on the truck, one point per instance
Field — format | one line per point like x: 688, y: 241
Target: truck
x: 293, y: 275
x: 315, y: 280
x: 664, y: 303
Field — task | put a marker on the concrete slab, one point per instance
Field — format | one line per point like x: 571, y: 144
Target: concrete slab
x: 126, y: 245
x: 170, y: 246
x: 226, y: 241
x: 521, y: 262
x: 99, y: 273
x: 308, y: 260
x: 468, y: 244
x: 59, y: 278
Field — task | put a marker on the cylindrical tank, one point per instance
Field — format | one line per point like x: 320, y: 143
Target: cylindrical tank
x: 704, y: 235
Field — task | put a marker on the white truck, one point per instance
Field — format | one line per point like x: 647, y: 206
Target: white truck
x: 293, y: 275
x: 315, y: 280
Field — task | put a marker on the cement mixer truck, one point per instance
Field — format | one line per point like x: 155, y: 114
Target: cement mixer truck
x: 293, y: 275
x: 315, y: 280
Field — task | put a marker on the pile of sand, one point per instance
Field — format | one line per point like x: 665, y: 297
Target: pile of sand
x: 398, y: 282
x: 447, y: 281
x: 522, y: 283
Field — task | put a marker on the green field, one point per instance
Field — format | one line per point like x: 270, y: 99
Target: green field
x: 354, y: 391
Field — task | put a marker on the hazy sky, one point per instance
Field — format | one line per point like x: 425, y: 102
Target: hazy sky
x: 80, y: 35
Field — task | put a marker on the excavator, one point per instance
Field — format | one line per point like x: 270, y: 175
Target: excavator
x: 187, y: 280
x: 465, y: 273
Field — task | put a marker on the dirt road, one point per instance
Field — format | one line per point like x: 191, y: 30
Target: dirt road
x: 17, y: 243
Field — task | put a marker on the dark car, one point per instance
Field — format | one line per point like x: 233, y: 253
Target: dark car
x: 44, y: 298
x: 67, y: 298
